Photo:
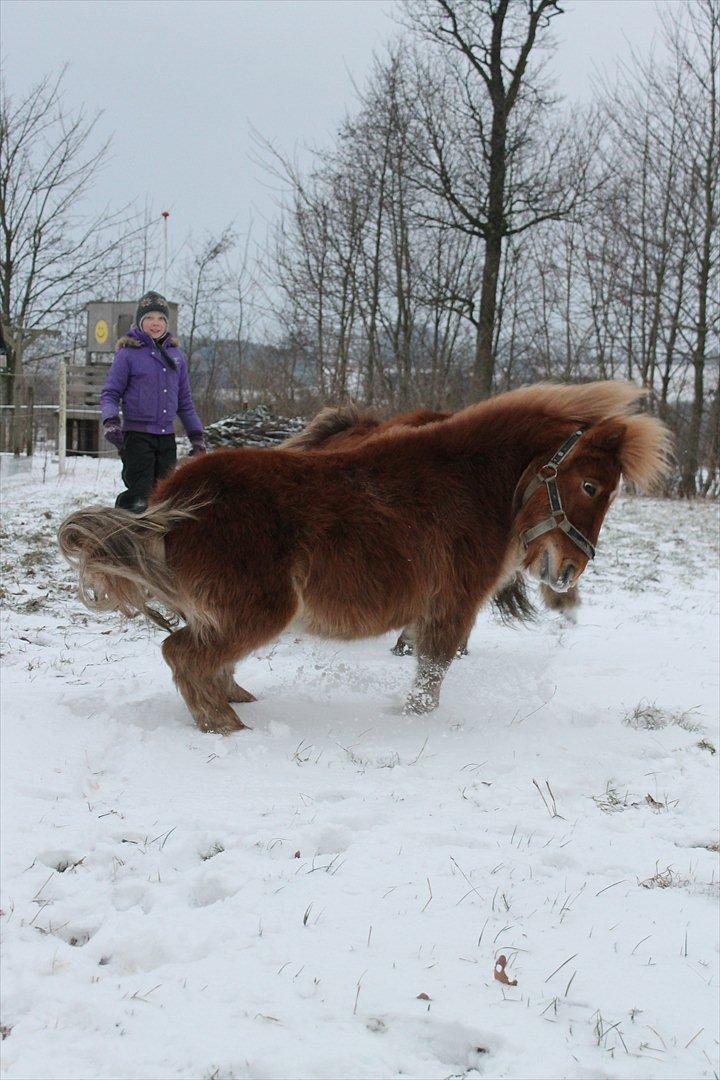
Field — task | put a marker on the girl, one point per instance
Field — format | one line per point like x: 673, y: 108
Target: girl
x: 149, y: 376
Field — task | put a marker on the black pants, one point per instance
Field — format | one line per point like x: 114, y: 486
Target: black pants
x: 146, y: 459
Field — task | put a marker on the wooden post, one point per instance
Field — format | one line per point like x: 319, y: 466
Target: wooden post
x: 62, y: 418
x: 30, y: 420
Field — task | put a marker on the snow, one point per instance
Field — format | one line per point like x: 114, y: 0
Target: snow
x: 327, y: 894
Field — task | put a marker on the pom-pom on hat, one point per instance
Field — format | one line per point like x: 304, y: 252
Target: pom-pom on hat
x: 151, y: 302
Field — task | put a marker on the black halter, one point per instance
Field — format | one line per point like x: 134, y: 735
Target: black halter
x: 557, y: 520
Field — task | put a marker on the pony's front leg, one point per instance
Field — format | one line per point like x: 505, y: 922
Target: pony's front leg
x: 425, y: 693
x: 564, y: 602
x: 437, y: 643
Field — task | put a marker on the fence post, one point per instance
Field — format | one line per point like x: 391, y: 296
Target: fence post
x: 62, y: 417
x: 16, y: 438
x: 30, y: 421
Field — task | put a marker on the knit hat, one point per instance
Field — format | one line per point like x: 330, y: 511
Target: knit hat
x: 151, y: 302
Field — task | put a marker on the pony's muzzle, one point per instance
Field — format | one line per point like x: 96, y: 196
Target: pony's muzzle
x: 559, y: 575
x: 568, y: 574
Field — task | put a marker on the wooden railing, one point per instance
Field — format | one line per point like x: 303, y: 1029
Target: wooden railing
x: 84, y: 383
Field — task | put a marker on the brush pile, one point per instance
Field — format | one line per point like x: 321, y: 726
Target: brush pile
x: 252, y: 427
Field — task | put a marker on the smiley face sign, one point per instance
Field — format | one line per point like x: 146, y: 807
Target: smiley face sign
x: 101, y: 331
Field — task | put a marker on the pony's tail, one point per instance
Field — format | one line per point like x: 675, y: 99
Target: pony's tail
x: 120, y: 558
x: 513, y: 604
x: 328, y: 422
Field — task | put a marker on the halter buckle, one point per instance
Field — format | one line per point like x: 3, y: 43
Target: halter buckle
x: 552, y: 475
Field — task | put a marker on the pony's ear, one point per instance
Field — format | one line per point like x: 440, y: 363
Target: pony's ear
x: 644, y: 446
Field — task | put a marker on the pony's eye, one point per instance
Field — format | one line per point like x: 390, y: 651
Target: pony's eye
x: 589, y: 489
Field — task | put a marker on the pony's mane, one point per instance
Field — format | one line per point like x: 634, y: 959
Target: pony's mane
x: 646, y: 451
x: 644, y: 443
x: 328, y: 422
x: 586, y: 403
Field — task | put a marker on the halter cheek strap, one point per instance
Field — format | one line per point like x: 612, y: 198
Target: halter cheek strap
x: 557, y: 520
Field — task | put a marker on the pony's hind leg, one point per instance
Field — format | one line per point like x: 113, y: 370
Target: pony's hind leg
x: 234, y: 691
x: 437, y: 643
x: 203, y: 677
x: 405, y: 644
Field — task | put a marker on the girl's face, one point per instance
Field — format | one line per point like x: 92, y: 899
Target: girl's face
x: 154, y: 324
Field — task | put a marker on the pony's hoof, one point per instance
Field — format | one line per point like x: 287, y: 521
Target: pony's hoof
x: 419, y: 703
x: 221, y: 725
x: 402, y: 648
x: 240, y: 694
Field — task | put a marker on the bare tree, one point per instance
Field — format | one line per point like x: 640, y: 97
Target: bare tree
x: 240, y: 304
x: 419, y: 267
x: 489, y: 156
x: 201, y: 284
x: 697, y: 51
x: 54, y: 253
x: 652, y: 242
x: 378, y: 298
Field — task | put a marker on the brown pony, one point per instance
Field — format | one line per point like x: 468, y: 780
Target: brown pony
x: 239, y: 542
x: 343, y: 426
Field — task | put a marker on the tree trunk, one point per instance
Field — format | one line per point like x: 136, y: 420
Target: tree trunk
x: 484, y: 369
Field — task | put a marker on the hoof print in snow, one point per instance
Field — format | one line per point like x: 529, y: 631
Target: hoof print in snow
x: 61, y: 860
x: 73, y: 935
x: 211, y: 891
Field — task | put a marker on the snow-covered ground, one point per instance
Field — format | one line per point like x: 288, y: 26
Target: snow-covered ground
x: 327, y: 895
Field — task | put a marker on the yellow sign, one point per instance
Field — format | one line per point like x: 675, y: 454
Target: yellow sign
x: 101, y: 331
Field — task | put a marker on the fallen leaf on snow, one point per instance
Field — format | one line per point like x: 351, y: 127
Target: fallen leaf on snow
x: 654, y: 804
x: 499, y: 972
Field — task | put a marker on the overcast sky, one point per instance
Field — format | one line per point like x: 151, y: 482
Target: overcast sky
x: 182, y: 82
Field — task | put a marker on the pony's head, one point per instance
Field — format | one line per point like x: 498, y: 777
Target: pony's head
x: 561, y: 503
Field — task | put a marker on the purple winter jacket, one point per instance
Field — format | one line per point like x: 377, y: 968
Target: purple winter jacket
x: 151, y: 391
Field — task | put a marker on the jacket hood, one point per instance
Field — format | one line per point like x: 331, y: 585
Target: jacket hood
x: 136, y: 338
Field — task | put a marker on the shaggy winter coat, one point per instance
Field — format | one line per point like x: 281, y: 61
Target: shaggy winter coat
x: 418, y: 526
